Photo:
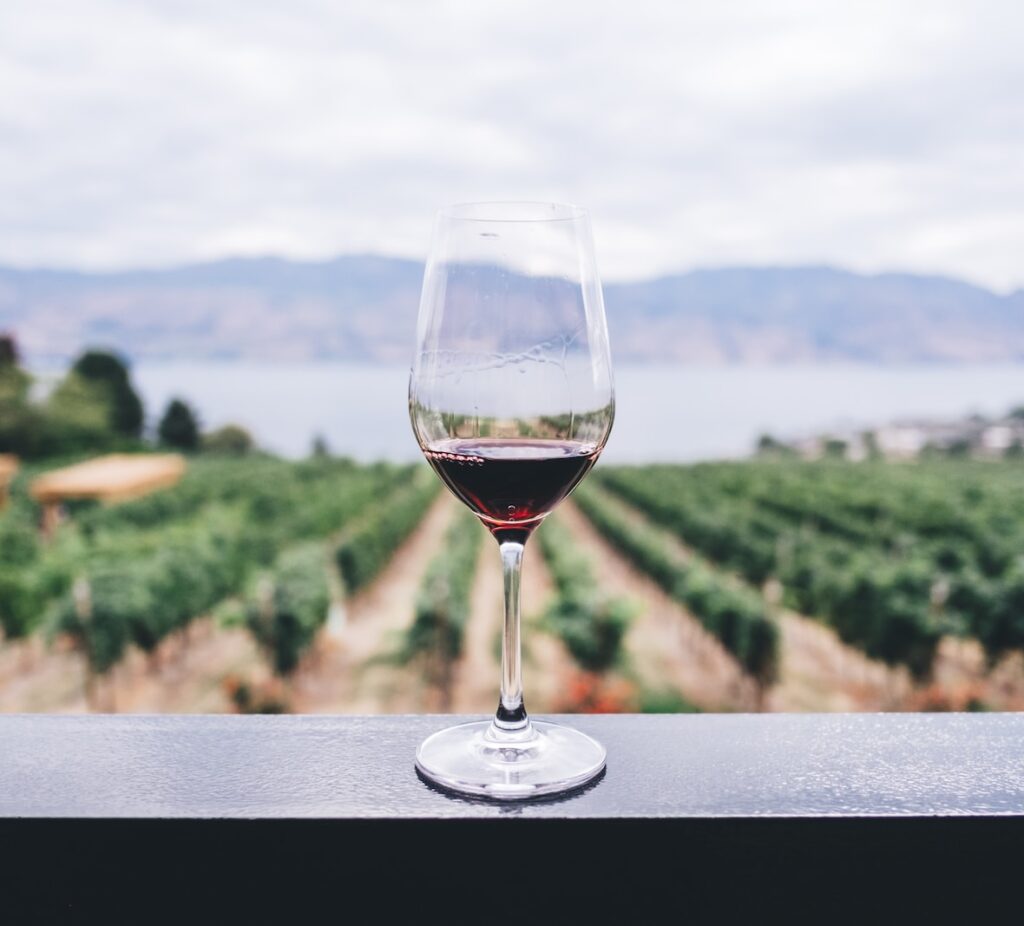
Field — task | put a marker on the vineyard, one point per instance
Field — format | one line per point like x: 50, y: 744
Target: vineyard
x: 261, y: 584
x: 892, y: 557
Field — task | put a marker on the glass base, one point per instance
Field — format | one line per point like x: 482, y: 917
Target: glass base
x: 475, y: 758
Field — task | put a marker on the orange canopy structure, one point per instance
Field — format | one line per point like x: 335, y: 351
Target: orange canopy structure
x: 112, y: 478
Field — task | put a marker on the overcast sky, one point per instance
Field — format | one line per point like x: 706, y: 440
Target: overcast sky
x: 869, y: 135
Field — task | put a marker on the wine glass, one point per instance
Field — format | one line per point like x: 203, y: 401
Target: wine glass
x: 511, y: 400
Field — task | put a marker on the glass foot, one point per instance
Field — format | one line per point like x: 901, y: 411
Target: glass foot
x: 473, y: 758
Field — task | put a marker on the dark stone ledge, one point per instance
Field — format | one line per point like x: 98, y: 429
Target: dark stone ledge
x: 708, y: 815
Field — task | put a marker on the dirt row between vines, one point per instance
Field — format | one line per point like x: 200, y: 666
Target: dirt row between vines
x: 351, y: 674
x: 818, y: 672
x: 666, y: 646
x: 194, y: 671
x: 347, y: 672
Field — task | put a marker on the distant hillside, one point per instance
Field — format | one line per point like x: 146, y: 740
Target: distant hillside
x: 364, y: 308
x: 815, y: 313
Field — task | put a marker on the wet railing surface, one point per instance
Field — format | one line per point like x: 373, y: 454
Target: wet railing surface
x: 694, y: 810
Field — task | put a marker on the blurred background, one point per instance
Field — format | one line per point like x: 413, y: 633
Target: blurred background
x: 212, y: 227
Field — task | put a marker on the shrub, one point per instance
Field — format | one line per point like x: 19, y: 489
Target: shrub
x: 368, y: 548
x: 288, y: 605
x: 735, y: 615
x: 435, y: 637
x: 592, y: 625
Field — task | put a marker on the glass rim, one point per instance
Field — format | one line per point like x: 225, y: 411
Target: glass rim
x: 513, y: 211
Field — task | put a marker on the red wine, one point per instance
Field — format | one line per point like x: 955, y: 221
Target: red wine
x: 511, y: 483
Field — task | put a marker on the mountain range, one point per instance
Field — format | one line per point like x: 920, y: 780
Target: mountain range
x: 363, y: 308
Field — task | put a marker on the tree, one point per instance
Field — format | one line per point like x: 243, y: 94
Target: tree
x: 179, y: 427
x: 959, y: 448
x: 768, y: 446
x: 77, y: 416
x: 19, y: 421
x: 835, y: 448
x: 320, y: 448
x: 871, y: 449
x: 102, y: 367
x: 230, y: 439
x: 9, y: 354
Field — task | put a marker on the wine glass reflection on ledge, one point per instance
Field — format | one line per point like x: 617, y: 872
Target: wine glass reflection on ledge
x: 511, y: 400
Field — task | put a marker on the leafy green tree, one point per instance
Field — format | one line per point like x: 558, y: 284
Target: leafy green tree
x: 76, y: 417
x: 9, y: 355
x: 960, y: 448
x: 179, y: 427
x: 91, y: 407
x: 110, y: 371
x: 320, y: 448
x: 231, y: 439
x: 767, y: 445
x: 835, y: 448
x: 871, y: 448
x: 20, y: 424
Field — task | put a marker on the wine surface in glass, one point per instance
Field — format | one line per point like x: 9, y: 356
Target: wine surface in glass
x: 511, y: 483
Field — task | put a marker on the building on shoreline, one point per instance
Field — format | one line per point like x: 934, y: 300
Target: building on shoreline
x: 974, y: 437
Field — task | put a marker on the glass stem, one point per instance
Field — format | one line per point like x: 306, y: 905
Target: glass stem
x: 511, y: 719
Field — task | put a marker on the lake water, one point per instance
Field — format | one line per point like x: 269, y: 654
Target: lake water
x: 663, y: 413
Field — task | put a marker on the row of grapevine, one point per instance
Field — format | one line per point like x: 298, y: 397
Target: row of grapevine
x: 368, y: 548
x: 884, y: 603
x: 591, y: 624
x: 737, y: 616
x: 274, y: 493
x: 956, y: 513
x: 279, y: 502
x: 25, y: 582
x: 26, y: 591
x: 142, y: 596
x: 435, y: 637
x: 289, y: 605
x: 950, y: 534
x: 122, y: 580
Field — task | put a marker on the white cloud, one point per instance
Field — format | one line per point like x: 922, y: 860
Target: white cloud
x: 871, y: 135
